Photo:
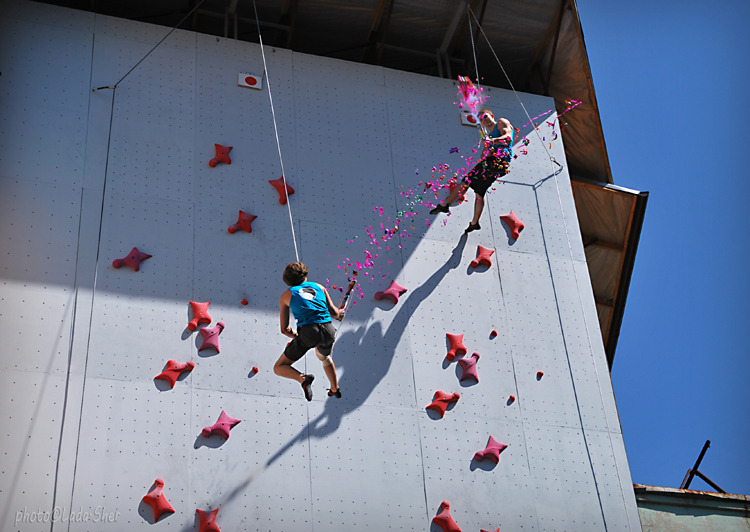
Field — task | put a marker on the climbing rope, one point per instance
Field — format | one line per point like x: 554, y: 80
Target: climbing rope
x: 276, y: 130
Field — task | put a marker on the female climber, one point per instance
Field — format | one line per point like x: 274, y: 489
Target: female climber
x: 312, y: 307
x: 498, y: 150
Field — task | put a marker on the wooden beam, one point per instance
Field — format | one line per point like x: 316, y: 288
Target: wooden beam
x: 604, y: 302
x: 564, y: 6
x: 385, y: 32
x: 372, y: 35
x: 591, y: 241
x: 543, y: 45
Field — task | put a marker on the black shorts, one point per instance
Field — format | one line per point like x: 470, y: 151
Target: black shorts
x: 319, y: 335
x: 485, y: 173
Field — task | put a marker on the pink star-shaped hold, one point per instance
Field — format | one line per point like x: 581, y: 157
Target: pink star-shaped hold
x: 243, y: 222
x: 515, y: 225
x: 456, y: 342
x: 278, y: 184
x: 221, y: 427
x: 222, y: 156
x: 444, y: 519
x: 469, y: 367
x: 492, y: 451
x: 211, y: 337
x: 156, y: 500
x: 483, y: 257
x: 200, y: 314
x: 442, y: 400
x: 393, y: 292
x: 173, y: 370
x: 207, y: 520
x: 133, y: 260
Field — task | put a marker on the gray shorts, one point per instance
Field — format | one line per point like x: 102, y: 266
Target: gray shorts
x: 318, y: 335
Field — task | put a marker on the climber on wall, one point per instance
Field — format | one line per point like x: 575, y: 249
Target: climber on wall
x: 312, y: 307
x: 498, y: 150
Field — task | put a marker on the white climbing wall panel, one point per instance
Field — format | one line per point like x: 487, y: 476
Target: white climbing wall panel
x: 85, y: 427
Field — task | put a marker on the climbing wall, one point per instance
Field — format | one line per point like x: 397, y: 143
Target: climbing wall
x: 87, y: 176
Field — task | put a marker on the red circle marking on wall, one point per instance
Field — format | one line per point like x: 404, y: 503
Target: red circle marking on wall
x: 471, y: 119
x: 251, y: 80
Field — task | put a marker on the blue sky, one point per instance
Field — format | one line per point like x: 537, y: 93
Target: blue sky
x: 671, y: 79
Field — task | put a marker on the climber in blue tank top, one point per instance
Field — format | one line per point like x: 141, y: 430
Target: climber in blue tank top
x: 312, y: 308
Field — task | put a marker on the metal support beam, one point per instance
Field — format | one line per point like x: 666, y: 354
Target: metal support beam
x: 385, y: 32
x: 591, y: 241
x: 691, y: 472
x: 451, y: 31
x: 291, y: 24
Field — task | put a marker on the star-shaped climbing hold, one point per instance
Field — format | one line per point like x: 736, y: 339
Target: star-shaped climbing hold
x: 515, y: 225
x: 278, y: 184
x: 207, y: 520
x: 492, y: 451
x: 173, y: 370
x: 243, y: 222
x: 200, y: 314
x: 469, y: 367
x: 222, y: 155
x: 456, y: 342
x: 483, y: 257
x: 156, y: 500
x: 133, y: 260
x: 442, y: 400
x: 221, y: 427
x: 211, y: 337
x: 393, y: 292
x: 444, y: 519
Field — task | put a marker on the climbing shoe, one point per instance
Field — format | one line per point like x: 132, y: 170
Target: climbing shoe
x: 336, y: 394
x: 472, y: 227
x: 440, y: 208
x: 307, y: 386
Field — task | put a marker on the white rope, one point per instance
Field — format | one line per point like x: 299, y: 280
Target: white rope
x: 276, y: 130
x: 473, y: 49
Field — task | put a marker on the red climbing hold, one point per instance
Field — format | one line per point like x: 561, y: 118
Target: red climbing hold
x: 255, y: 369
x: 444, y: 519
x: 457, y: 345
x: 173, y: 370
x: 207, y: 521
x: 244, y: 301
x: 278, y: 184
x: 515, y: 225
x: 493, y: 334
x: 539, y: 374
x: 133, y: 260
x: 211, y: 337
x: 469, y: 367
x: 492, y: 451
x: 222, y: 155
x: 483, y: 257
x: 483, y: 530
x: 512, y: 398
x: 393, y: 292
x: 243, y: 222
x: 200, y: 314
x: 156, y: 500
x: 442, y: 400
x: 221, y: 427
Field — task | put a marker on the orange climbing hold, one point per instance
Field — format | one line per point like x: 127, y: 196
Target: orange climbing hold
x: 173, y: 371
x: 444, y: 519
x: 483, y: 257
x: 200, y: 314
x: 222, y: 155
x: 515, y: 225
x: 156, y: 500
x: 207, y: 520
x: 278, y: 184
x: 457, y: 345
x: 442, y: 400
x: 243, y: 222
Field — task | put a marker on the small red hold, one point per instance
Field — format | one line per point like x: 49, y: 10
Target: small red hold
x: 493, y: 334
x: 492, y: 451
x: 469, y: 367
x: 393, y: 292
x: 244, y: 301
x: 221, y: 427
x: 255, y: 369
x: 156, y: 500
x: 211, y: 337
x: 457, y: 345
x: 173, y: 370
x: 444, y: 519
x: 133, y: 260
x: 539, y: 374
x: 442, y: 400
x: 243, y: 222
x: 222, y: 156
x: 278, y: 184
x: 515, y: 225
x: 207, y: 520
x: 200, y: 314
x: 511, y: 399
x: 483, y: 257
x: 483, y: 530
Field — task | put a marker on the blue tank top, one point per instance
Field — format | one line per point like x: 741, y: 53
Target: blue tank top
x: 309, y: 304
x: 501, y: 151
